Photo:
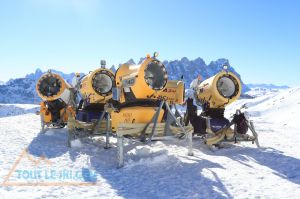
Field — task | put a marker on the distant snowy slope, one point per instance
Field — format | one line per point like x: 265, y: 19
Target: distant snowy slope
x: 267, y: 86
x: 282, y: 107
x: 281, y: 104
x: 17, y: 109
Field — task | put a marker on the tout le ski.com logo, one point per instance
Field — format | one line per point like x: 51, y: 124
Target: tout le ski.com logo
x: 40, y: 171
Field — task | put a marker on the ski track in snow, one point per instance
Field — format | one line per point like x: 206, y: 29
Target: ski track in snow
x: 162, y: 169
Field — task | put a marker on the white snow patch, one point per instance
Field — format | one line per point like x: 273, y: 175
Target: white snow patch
x: 17, y: 109
x: 76, y: 143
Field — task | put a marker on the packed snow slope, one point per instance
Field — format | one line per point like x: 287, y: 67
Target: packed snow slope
x: 162, y: 169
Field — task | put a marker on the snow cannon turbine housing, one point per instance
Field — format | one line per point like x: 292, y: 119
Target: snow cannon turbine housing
x: 52, y: 86
x: 57, y: 100
x: 96, y: 87
x: 141, y: 81
x: 220, y: 90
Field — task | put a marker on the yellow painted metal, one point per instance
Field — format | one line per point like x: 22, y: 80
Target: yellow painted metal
x: 133, y: 77
x: 86, y: 126
x: 207, y: 91
x: 220, y: 136
x: 134, y: 74
x: 63, y: 93
x: 64, y: 113
x: 134, y: 115
x: 46, y: 114
x: 136, y: 129
x: 173, y: 93
x: 64, y: 85
x: 87, y: 90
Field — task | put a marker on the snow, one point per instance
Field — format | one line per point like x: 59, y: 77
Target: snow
x: 17, y: 109
x: 76, y: 143
x: 162, y: 169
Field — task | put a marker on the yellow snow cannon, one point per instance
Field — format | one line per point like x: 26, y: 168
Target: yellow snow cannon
x: 96, y: 87
x: 140, y: 90
x: 92, y: 115
x: 214, y: 94
x: 142, y: 110
x: 95, y: 90
x: 57, y: 100
x: 141, y: 81
x: 219, y: 90
x: 140, y: 104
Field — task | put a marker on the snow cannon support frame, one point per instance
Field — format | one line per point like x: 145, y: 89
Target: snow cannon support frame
x: 78, y: 129
x: 229, y: 135
x: 156, y: 131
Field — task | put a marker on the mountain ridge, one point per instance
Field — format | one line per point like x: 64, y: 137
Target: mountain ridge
x: 22, y: 90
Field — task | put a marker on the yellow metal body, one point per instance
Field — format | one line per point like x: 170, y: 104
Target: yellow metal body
x: 87, y: 91
x: 208, y: 92
x: 64, y: 86
x: 173, y: 93
x: 64, y: 94
x: 228, y: 133
x: 64, y: 113
x: 133, y: 76
x: 134, y: 115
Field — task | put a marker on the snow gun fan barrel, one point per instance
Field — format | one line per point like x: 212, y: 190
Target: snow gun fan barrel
x: 96, y: 87
x: 141, y: 81
x: 52, y: 86
x: 219, y: 90
x: 57, y: 97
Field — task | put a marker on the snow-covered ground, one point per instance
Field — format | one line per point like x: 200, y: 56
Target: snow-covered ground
x: 7, y: 110
x: 162, y: 170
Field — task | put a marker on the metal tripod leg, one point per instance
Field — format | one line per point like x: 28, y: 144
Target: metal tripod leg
x: 70, y: 137
x: 120, y: 152
x: 167, y: 126
x: 251, y: 127
x: 174, y: 118
x: 99, y: 122
x: 71, y: 132
x: 42, y: 123
x: 107, y: 141
x: 188, y: 135
x: 190, y: 143
x: 155, y: 121
x: 71, y: 129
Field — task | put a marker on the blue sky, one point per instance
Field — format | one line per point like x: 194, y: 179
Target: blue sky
x: 261, y: 38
